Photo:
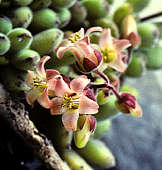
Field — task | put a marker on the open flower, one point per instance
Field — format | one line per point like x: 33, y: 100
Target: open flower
x: 129, y: 30
x: 87, y: 57
x: 111, y: 50
x: 128, y: 104
x: 71, y: 100
x: 41, y: 84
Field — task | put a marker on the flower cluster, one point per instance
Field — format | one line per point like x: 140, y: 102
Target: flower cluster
x: 75, y: 98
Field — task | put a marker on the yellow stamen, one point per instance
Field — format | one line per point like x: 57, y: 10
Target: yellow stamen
x: 38, y: 83
x: 71, y: 102
x: 108, y: 55
x: 74, y: 37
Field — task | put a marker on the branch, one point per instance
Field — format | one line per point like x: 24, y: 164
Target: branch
x: 151, y: 17
x: 15, y: 113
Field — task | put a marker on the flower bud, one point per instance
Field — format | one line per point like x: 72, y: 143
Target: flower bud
x: 121, y: 12
x: 128, y: 104
x: 129, y: 30
x: 86, y: 126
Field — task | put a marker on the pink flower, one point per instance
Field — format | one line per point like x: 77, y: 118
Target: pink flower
x: 71, y: 100
x: 111, y: 50
x: 41, y: 84
x: 128, y: 104
x: 78, y: 43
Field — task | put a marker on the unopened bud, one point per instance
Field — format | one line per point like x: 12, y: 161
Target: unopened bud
x: 129, y: 30
x: 86, y: 126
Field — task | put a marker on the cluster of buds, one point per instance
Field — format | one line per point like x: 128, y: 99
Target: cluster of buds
x: 75, y: 98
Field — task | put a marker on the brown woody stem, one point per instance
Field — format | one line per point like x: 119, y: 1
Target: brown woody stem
x: 14, y: 112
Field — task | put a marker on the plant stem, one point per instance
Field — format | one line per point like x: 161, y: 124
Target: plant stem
x: 114, y: 91
x: 103, y: 76
x: 151, y: 16
x: 130, y: 50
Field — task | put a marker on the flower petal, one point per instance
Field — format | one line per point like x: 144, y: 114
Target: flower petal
x: 118, y: 64
x: 106, y: 40
x: 121, y: 44
x: 85, y: 50
x: 43, y: 100
x: 56, y: 106
x: 87, y: 106
x: 134, y: 39
x: 69, y: 119
x: 78, y: 84
x: 92, y: 29
x: 81, y: 33
x: 92, y: 122
x: 30, y: 78
x: 32, y: 95
x: 98, y: 56
x: 51, y: 86
x: 61, y: 50
x: 136, y: 112
x: 40, y: 66
x: 88, y: 92
x: 51, y: 74
x: 88, y: 65
x: 61, y: 87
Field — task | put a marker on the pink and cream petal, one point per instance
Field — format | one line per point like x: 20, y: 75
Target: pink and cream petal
x: 69, y: 119
x: 50, y: 74
x: 87, y: 106
x: 93, y: 29
x: 51, y: 87
x: 40, y: 66
x: 106, y: 40
x: 118, y: 64
x: 86, y: 50
x: 61, y: 87
x: 81, y: 33
x: 30, y: 78
x: 56, y: 106
x: 43, y: 100
x: 32, y: 95
x: 121, y: 44
x: 60, y: 52
x: 78, y: 84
